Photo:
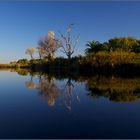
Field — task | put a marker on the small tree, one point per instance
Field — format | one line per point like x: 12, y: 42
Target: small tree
x: 48, y: 45
x: 30, y: 51
x: 69, y: 46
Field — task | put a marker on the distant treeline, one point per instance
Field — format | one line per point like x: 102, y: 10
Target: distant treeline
x: 118, y: 56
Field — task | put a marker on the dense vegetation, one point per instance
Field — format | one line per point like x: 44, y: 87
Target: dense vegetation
x: 121, y: 44
x: 115, y: 51
x: 117, y: 55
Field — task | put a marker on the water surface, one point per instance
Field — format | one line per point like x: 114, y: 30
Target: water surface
x: 41, y: 106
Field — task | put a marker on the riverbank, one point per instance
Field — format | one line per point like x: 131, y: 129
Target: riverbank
x: 103, y: 63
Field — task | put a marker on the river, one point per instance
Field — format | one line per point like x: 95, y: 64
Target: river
x: 34, y: 105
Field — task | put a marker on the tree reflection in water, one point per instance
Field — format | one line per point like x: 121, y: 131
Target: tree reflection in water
x: 67, y: 94
x: 46, y: 87
x: 49, y: 90
x: 116, y: 89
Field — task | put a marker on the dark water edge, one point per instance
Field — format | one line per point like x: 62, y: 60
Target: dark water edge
x: 124, y: 70
x: 76, y: 69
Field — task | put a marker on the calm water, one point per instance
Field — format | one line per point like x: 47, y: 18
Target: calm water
x: 40, y: 106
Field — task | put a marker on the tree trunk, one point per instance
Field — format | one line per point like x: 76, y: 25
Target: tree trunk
x: 31, y: 56
x: 69, y: 57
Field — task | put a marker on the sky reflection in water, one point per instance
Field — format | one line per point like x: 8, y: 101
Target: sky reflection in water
x: 40, y: 106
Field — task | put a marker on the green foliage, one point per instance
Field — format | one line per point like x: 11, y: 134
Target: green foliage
x: 136, y: 49
x: 93, y: 47
x: 22, y: 61
x: 123, y: 44
x: 37, y: 61
x: 112, y: 58
x: 128, y: 44
x: 116, y: 51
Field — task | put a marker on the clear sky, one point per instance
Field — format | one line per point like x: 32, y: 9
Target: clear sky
x: 22, y: 23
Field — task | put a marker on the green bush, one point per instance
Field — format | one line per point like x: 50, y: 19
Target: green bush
x: 22, y: 61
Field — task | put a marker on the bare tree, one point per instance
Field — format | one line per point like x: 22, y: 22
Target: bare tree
x: 69, y: 46
x: 30, y: 51
x: 48, y: 45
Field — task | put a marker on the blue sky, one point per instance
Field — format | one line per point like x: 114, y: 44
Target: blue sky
x: 22, y: 23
